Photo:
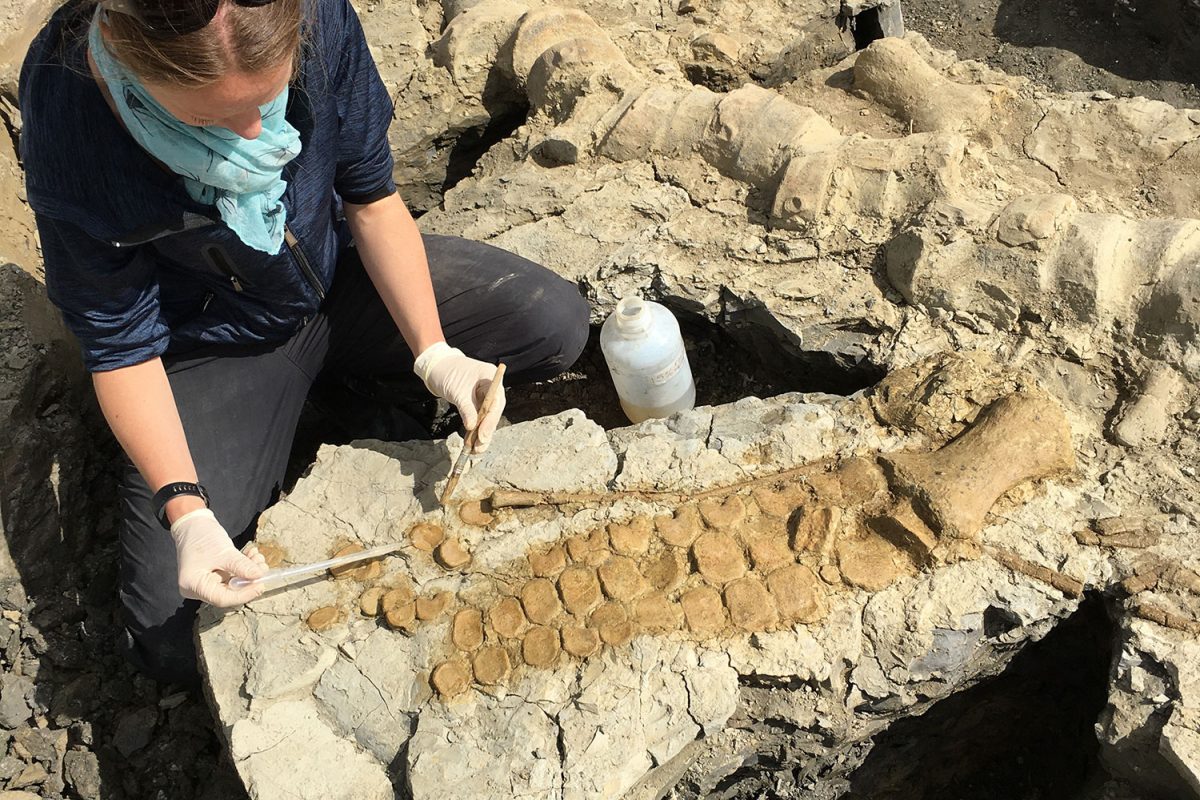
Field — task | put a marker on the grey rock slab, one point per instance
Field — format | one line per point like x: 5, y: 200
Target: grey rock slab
x: 484, y: 747
x: 134, y: 730
x: 82, y: 772
x: 1150, y: 731
x: 633, y: 711
x: 14, y: 710
x: 288, y: 751
x: 566, y: 452
x: 31, y: 775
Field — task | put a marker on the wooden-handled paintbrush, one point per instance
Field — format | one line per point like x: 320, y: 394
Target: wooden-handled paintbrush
x: 473, y: 435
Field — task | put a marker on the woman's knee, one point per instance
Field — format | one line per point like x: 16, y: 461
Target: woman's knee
x: 558, y: 328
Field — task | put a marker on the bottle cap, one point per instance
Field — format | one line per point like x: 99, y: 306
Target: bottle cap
x: 633, y: 316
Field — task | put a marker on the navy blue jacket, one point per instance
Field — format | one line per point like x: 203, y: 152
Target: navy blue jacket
x: 136, y: 266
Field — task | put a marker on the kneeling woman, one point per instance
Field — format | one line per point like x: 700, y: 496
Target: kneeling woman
x: 213, y: 189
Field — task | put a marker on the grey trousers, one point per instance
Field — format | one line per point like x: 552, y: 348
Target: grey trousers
x: 240, y: 407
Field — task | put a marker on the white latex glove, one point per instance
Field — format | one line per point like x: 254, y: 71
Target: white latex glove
x: 207, y: 559
x: 463, y: 381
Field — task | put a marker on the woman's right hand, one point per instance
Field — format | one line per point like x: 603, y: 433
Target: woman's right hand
x: 207, y: 559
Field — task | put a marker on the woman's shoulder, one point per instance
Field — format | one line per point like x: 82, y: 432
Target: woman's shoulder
x: 79, y: 165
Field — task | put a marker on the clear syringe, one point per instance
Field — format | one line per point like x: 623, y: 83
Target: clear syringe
x: 286, y: 576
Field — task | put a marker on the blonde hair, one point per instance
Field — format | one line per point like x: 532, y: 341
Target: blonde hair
x: 246, y: 39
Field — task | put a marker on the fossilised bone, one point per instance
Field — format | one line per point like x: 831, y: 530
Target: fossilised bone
x: 1088, y: 267
x: 808, y: 175
x: 1144, y: 419
x: 892, y: 73
x: 599, y: 599
x: 1020, y: 437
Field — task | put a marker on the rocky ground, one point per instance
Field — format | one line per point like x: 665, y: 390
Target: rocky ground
x: 78, y: 723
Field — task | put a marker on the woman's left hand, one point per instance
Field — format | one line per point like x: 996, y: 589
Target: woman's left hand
x: 463, y: 381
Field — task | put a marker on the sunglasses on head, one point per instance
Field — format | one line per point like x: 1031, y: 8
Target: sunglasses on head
x: 164, y: 18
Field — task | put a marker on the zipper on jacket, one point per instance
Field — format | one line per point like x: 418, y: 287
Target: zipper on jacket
x: 216, y: 256
x: 294, y: 245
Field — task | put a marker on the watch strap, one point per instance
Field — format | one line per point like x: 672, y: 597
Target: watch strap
x: 171, y: 491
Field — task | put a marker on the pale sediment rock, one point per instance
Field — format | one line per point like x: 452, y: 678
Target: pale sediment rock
x: 602, y: 695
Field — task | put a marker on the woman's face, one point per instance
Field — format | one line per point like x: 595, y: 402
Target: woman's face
x: 232, y: 102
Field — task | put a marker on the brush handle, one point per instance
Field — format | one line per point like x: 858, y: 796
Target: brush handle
x: 472, y: 436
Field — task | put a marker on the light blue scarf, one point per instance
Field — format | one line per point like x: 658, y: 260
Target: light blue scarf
x: 241, y: 177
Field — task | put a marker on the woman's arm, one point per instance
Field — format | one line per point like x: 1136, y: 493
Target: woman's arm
x: 140, y: 409
x: 394, y: 256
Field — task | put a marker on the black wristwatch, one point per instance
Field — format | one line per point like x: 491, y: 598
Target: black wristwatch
x: 173, y: 490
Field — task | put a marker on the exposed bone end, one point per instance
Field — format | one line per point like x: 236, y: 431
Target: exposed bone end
x: 894, y: 74
x: 507, y: 617
x: 466, y: 631
x: 861, y: 480
x: 632, y: 538
x: 655, y: 612
x: 549, y: 563
x: 357, y: 570
x: 621, y: 580
x: 769, y: 552
x: 810, y: 528
x: 1021, y: 437
x: 580, y: 642
x: 451, y: 554
x: 491, y: 665
x: 539, y: 598
x: 779, y: 503
x: 426, y: 536
x: 368, y: 601
x: 579, y: 588
x: 870, y: 562
x: 541, y: 29
x: 611, y: 621
x: 721, y: 514
x: 432, y: 607
x: 402, y: 617
x: 750, y: 606
x: 477, y: 513
x: 540, y: 647
x: 272, y: 553
x: 451, y: 678
x: 798, y: 594
x: 681, y: 529
x: 703, y: 610
x: 394, y: 598
x: 324, y: 618
x: 573, y: 68
x: 667, y: 571
x: 718, y: 558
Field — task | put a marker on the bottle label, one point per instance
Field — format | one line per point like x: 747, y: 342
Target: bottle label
x: 670, y: 371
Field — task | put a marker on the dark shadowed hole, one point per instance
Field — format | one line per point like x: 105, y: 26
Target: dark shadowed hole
x: 474, y: 142
x: 1025, y: 735
x: 727, y: 364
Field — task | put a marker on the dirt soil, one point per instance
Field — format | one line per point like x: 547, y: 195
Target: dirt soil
x: 1068, y: 45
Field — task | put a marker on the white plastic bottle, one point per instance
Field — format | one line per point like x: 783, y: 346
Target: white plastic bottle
x: 645, y: 356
